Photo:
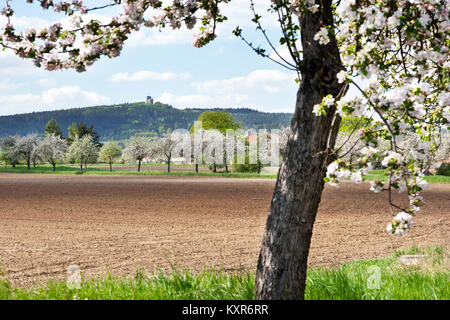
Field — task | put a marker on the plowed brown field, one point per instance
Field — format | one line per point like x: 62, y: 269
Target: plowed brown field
x: 117, y: 224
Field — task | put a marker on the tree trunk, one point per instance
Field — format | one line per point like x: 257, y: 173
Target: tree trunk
x: 196, y: 167
x: 226, y: 167
x: 110, y: 166
x: 81, y: 165
x: 139, y: 165
x: 215, y: 168
x: 168, y: 165
x: 282, y: 263
x: 54, y: 166
x: 28, y: 163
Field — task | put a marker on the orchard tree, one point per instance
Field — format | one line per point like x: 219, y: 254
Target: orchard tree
x: 163, y: 148
x: 36, y: 156
x: 52, y: 149
x: 220, y: 121
x: 82, y: 130
x: 9, y: 153
x: 283, y: 139
x: 264, y: 148
x: 214, y: 152
x: 83, y: 150
x: 429, y: 154
x: 110, y: 152
x: 137, y: 149
x: 25, y: 146
x: 393, y: 53
x: 349, y: 146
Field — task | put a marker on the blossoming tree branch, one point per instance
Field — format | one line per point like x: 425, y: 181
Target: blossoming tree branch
x: 394, y: 54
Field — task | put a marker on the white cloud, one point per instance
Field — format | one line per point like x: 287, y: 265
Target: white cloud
x: 239, y: 14
x: 255, y: 79
x: 282, y: 55
x: 153, y: 37
x: 204, y: 101
x: 221, y: 50
x: 239, y: 91
x: 46, y: 82
x: 252, y: 90
x: 187, y: 100
x: 52, y: 99
x: 11, y: 65
x: 23, y: 22
x: 148, y: 75
x: 271, y: 89
x: 8, y: 85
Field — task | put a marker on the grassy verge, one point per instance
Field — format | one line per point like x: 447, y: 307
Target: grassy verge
x: 359, y: 280
x: 65, y: 169
x: 380, y: 175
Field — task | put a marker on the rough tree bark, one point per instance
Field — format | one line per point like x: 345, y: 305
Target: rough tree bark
x: 282, y: 264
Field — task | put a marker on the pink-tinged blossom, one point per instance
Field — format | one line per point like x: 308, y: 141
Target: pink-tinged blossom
x: 400, y: 224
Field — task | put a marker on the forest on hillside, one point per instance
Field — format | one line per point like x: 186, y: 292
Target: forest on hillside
x: 118, y: 122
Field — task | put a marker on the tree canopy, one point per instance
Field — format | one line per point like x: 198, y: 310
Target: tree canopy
x: 52, y: 127
x: 218, y: 120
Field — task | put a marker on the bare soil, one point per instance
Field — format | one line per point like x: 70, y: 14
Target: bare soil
x: 162, y: 167
x: 118, y: 224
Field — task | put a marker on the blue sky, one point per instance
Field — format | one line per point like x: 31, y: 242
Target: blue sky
x: 165, y: 65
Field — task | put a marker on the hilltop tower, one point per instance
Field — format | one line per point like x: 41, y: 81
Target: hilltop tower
x: 149, y: 99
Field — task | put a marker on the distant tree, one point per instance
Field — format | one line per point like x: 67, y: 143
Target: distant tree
x: 349, y: 125
x: 164, y: 148
x: 9, y: 153
x: 72, y: 133
x: 349, y: 145
x: 3, y: 158
x: 138, y: 149
x: 214, y: 152
x: 220, y: 121
x: 24, y: 146
x: 35, y: 156
x: 82, y: 130
x: 52, y: 148
x: 429, y: 154
x: 110, y: 152
x: 284, y: 136
x: 52, y: 128
x: 198, y: 144
x: 246, y: 166
x: 83, y: 151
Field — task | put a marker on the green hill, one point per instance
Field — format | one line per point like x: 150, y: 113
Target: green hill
x: 118, y: 122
